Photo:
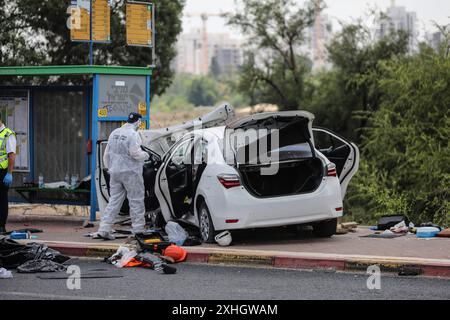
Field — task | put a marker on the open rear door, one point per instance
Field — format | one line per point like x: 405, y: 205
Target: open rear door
x: 343, y: 153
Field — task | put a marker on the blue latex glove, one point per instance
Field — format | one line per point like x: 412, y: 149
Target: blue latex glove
x: 7, y: 181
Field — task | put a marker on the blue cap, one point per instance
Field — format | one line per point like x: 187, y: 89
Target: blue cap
x: 134, y: 117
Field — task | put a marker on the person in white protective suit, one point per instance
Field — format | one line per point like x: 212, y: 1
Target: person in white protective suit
x: 124, y: 160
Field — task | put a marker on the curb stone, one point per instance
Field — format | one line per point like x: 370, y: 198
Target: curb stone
x: 285, y: 260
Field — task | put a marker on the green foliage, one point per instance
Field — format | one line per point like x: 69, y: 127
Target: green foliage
x: 406, y: 168
x: 274, y: 71
x: 188, y: 91
x: 38, y: 34
x: 350, y: 92
x: 203, y: 92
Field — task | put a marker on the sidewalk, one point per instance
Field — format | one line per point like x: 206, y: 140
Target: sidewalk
x: 279, y: 248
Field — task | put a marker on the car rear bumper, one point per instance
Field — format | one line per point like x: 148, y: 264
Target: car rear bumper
x: 236, y: 209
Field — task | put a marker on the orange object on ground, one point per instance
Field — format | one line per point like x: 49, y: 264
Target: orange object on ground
x: 136, y: 263
x: 175, y: 252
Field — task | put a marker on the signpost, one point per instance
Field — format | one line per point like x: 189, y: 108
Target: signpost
x: 90, y: 22
x: 140, y: 24
x: 101, y: 21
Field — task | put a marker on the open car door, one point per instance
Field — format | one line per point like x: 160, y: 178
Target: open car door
x: 343, y: 153
x: 157, y: 143
x: 103, y: 177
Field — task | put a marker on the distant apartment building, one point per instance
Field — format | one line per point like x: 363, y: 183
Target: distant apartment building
x: 226, y: 51
x: 319, y: 36
x: 435, y: 39
x: 398, y: 18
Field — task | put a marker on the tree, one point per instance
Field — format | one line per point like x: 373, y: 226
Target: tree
x: 203, y: 92
x: 47, y: 20
x: 345, y: 97
x: 14, y: 49
x: 274, y: 71
x: 406, y: 168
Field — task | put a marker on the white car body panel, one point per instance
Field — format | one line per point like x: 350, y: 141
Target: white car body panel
x: 253, y: 212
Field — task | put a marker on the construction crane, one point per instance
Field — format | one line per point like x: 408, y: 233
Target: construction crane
x: 205, y: 45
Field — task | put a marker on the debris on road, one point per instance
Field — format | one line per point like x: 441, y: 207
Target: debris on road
x: 33, y: 256
x: 346, y: 227
x: 176, y: 233
x: 5, y: 274
x: 224, y: 239
x: 152, y: 250
x: 387, y: 222
x: 37, y: 266
x: 444, y: 233
x: 427, y: 232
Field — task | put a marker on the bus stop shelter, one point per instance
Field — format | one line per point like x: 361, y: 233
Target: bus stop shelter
x: 58, y: 125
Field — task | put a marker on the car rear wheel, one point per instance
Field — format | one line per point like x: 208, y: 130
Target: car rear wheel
x: 325, y: 229
x: 207, y: 231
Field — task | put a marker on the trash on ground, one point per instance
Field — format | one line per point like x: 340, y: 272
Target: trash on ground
x: 444, y: 233
x: 224, y: 239
x: 430, y: 224
x: 18, y: 235
x: 5, y: 274
x: 387, y: 222
x: 96, y: 236
x: 427, y: 232
x: 176, y: 233
x: 27, y: 230
x: 385, y: 235
x: 37, y: 266
x: 14, y: 254
x: 87, y: 225
x: 152, y: 252
x: 121, y: 258
x: 409, y: 271
x: 344, y: 228
x: 401, y: 227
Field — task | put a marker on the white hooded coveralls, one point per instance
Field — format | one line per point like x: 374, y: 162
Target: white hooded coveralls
x: 124, y: 160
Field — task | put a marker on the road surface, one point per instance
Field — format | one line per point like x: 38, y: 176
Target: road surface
x: 200, y: 282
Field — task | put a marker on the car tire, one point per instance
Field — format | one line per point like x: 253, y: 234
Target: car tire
x: 207, y: 231
x: 325, y: 229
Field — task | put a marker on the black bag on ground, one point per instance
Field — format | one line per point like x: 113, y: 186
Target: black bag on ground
x: 387, y: 222
x: 14, y: 254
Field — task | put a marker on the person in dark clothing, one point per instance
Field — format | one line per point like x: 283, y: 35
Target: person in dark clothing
x: 7, y: 157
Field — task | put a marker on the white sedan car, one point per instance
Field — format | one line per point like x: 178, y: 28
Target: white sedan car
x: 267, y: 170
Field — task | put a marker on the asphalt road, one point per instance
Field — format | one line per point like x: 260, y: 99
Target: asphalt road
x: 206, y: 282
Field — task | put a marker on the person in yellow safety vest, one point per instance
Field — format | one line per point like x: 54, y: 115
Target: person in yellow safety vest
x: 7, y: 157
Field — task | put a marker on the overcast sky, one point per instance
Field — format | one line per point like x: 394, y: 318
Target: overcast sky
x: 427, y: 11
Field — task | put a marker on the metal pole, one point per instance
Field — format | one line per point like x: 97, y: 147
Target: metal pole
x: 91, y: 44
x: 94, y: 137
x: 153, y: 36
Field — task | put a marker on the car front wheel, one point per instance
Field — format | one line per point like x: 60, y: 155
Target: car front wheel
x: 325, y: 229
x: 207, y: 231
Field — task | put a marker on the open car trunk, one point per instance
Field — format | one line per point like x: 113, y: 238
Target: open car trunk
x: 293, y: 177
x: 275, y: 155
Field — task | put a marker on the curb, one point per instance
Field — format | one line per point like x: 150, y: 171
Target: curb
x: 274, y: 259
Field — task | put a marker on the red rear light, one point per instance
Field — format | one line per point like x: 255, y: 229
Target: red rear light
x: 232, y: 221
x: 229, y: 180
x: 331, y: 170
